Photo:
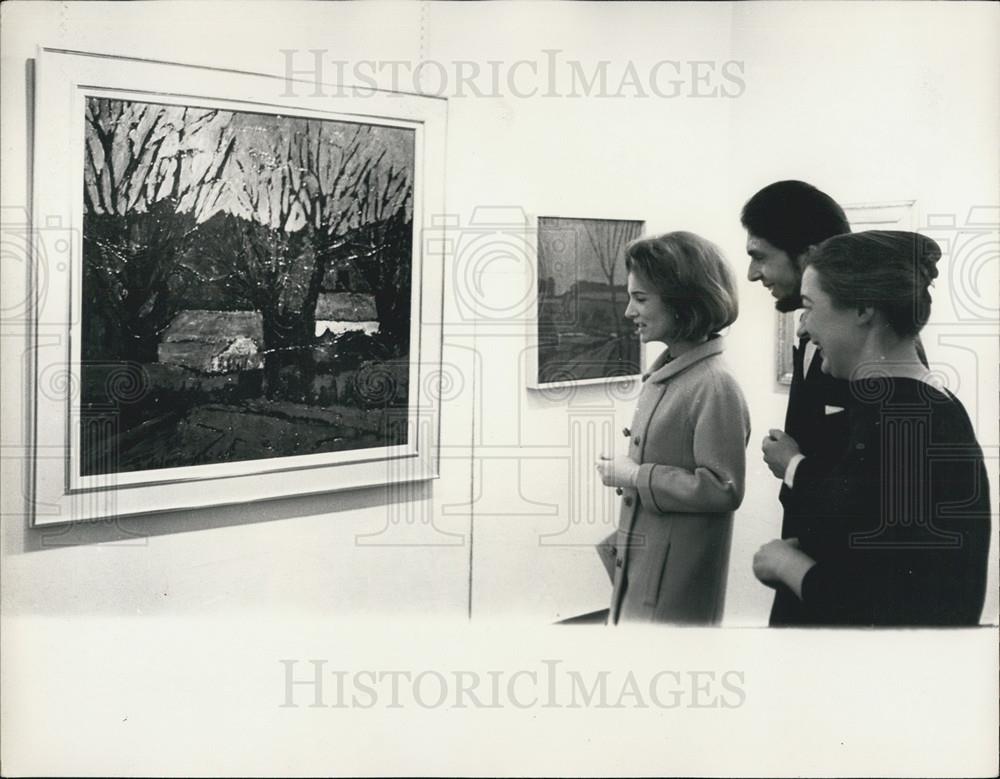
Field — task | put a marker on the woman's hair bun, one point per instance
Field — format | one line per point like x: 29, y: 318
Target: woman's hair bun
x: 926, y: 254
x: 891, y: 270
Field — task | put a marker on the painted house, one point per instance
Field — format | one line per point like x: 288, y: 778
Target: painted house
x: 345, y: 312
x: 214, y: 341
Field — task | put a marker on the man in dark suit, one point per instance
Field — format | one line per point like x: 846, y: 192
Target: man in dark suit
x: 783, y: 221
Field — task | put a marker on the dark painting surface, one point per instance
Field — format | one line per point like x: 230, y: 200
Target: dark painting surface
x: 246, y: 286
x: 582, y: 295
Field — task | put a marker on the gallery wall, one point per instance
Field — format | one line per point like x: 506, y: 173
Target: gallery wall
x: 379, y: 551
x: 870, y: 103
x: 862, y: 101
x: 539, y: 507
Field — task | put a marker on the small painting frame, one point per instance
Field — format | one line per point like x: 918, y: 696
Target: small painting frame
x: 578, y: 333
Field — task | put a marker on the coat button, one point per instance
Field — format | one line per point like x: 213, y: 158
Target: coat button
x: 628, y: 500
x: 637, y: 440
x: 618, y: 562
x: 619, y: 490
x: 626, y: 432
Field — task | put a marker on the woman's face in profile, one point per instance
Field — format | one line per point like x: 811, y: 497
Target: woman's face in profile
x: 652, y: 319
x: 833, y: 330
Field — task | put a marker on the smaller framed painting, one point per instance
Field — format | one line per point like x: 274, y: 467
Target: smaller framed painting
x: 580, y: 332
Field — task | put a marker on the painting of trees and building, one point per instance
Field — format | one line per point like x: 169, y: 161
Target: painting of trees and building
x: 582, y: 295
x: 253, y: 273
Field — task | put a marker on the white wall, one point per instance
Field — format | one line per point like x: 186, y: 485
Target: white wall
x: 875, y: 102
x: 864, y: 100
x: 861, y: 100
x: 341, y: 554
x: 539, y: 508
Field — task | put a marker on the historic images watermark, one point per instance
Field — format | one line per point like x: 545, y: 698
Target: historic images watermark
x: 314, y: 73
x: 548, y: 685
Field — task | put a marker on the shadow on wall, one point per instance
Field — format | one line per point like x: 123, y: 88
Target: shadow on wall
x: 135, y: 529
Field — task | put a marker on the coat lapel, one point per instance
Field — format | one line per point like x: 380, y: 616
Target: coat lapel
x: 664, y: 368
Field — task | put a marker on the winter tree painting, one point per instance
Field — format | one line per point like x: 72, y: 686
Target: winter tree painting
x: 582, y: 330
x: 253, y: 273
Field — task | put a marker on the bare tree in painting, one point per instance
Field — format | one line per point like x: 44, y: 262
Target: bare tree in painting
x: 313, y: 191
x: 138, y: 154
x: 264, y: 258
x: 216, y: 212
x: 147, y: 184
x: 380, y: 245
x: 607, y: 239
x: 327, y: 163
x: 582, y: 333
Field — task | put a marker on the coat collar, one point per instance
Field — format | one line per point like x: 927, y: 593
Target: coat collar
x: 662, y: 370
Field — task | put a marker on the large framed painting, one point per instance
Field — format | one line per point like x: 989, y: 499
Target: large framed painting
x: 580, y: 333
x: 887, y: 215
x: 244, y: 310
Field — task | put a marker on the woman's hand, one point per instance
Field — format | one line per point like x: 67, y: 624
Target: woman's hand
x: 620, y: 471
x: 779, y: 448
x: 781, y: 562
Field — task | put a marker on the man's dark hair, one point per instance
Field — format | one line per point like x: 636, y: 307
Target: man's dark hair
x: 792, y: 216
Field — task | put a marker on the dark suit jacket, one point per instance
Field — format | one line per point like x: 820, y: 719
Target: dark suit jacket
x: 820, y: 436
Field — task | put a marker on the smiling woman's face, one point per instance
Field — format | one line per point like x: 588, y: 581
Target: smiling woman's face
x: 835, y: 331
x: 652, y: 319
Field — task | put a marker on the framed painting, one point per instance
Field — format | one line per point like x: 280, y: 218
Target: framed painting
x: 244, y: 310
x: 890, y: 215
x: 580, y: 333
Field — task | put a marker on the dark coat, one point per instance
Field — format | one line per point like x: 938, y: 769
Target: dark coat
x: 821, y: 433
x: 899, y: 523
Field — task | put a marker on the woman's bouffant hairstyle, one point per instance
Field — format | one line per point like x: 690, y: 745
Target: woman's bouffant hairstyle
x: 693, y: 279
x: 889, y: 270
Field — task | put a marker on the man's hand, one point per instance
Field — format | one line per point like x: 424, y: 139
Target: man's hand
x: 781, y: 562
x: 779, y: 448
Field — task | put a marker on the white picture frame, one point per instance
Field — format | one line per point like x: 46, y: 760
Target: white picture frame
x: 556, y: 376
x: 60, y: 493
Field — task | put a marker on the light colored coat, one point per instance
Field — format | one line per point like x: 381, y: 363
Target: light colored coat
x: 669, y: 557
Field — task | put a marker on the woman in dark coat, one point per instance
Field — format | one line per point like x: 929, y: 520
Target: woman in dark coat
x: 683, y: 474
x: 895, y: 529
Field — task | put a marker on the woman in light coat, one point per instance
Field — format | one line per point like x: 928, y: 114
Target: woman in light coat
x: 683, y: 475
